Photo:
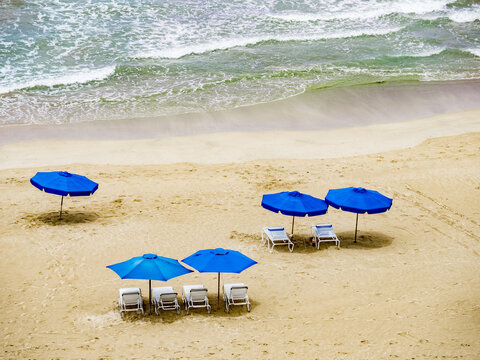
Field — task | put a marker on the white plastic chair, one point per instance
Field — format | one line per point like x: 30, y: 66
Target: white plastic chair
x: 235, y: 294
x: 130, y: 299
x: 195, y: 296
x: 165, y: 298
x: 324, y: 233
x: 276, y: 236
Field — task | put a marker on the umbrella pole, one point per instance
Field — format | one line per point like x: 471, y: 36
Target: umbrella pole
x: 218, y: 292
x: 356, y: 225
x: 150, y: 296
x: 61, y: 206
x: 293, y: 223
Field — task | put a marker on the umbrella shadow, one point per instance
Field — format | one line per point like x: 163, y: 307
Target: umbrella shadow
x: 220, y: 310
x: 68, y: 217
x: 365, y: 240
x: 165, y: 317
x: 303, y: 243
x: 168, y: 317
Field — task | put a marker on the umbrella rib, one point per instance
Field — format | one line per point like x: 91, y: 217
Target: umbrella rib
x: 133, y: 268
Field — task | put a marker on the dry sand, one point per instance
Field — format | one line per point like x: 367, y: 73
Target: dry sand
x: 409, y: 289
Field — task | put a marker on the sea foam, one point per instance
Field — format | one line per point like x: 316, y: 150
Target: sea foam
x: 363, y: 11
x: 79, y: 76
x: 177, y: 52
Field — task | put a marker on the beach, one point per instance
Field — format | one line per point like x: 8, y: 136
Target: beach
x: 408, y: 289
x: 186, y: 113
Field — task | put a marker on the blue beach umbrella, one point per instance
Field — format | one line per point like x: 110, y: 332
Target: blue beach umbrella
x: 219, y: 261
x: 294, y: 203
x: 358, y: 200
x: 149, y: 267
x: 63, y: 183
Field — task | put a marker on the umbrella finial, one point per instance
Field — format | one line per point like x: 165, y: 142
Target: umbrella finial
x: 64, y: 173
x: 220, y: 251
x: 359, y: 190
x: 149, y: 256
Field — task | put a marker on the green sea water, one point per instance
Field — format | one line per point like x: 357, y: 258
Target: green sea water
x: 67, y: 61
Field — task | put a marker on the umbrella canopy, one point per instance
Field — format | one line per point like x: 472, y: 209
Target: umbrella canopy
x: 294, y: 203
x: 63, y: 183
x: 219, y: 261
x: 149, y: 267
x: 358, y: 200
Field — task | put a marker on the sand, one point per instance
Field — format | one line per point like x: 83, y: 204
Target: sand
x: 409, y: 289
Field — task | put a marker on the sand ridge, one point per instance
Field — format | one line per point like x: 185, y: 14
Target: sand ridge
x: 408, y: 289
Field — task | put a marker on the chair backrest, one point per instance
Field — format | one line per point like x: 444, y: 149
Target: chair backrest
x: 168, y: 297
x: 323, y: 230
x: 198, y: 294
x: 238, y: 292
x: 130, y: 298
x: 277, y: 233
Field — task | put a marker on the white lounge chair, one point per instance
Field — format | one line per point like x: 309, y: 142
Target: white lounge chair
x: 130, y: 299
x: 165, y: 298
x: 195, y: 296
x: 324, y: 233
x: 277, y: 236
x: 235, y: 294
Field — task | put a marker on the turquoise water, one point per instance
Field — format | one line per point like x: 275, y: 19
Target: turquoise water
x: 67, y: 61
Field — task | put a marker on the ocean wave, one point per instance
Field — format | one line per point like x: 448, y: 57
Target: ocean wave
x: 440, y: 51
x: 462, y: 3
x: 426, y: 52
x: 83, y: 76
x: 464, y: 16
x: 475, y: 52
x: 181, y: 51
x: 365, y: 12
x: 392, y: 60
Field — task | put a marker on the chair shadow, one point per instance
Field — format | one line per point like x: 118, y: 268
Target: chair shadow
x: 365, y: 240
x: 303, y: 243
x: 68, y: 217
x: 170, y: 317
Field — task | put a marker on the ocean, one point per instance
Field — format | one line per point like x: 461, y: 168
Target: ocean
x: 64, y: 61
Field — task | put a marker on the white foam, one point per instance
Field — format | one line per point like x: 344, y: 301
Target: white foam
x: 78, y: 76
x: 365, y: 10
x: 465, y: 15
x: 306, y: 17
x: 428, y: 52
x: 475, y: 52
x: 180, y: 51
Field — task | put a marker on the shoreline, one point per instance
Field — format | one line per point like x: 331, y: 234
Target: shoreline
x: 236, y: 147
x: 323, y: 109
